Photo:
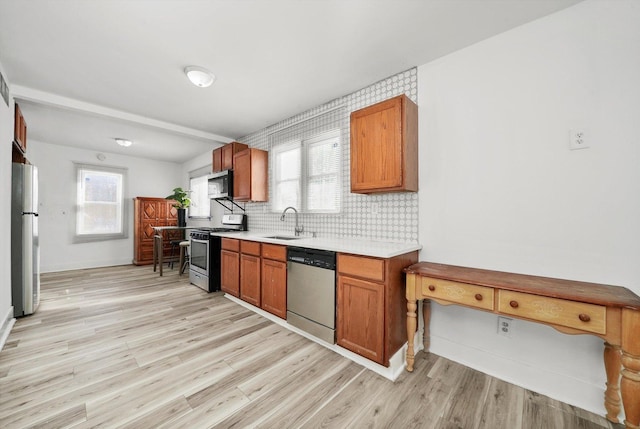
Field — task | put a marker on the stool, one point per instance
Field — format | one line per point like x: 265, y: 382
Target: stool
x: 172, y: 255
x: 184, y: 255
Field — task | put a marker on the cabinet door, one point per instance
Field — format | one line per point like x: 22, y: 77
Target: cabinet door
x: 250, y: 279
x: 230, y: 274
x: 227, y: 157
x: 361, y: 317
x: 274, y: 287
x: 217, y: 160
x: 242, y: 176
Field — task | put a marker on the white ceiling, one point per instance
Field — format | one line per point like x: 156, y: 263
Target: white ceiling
x: 85, y: 72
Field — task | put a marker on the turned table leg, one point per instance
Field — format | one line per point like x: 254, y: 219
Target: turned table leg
x: 612, y: 363
x: 630, y: 382
x: 412, y: 319
x: 426, y: 317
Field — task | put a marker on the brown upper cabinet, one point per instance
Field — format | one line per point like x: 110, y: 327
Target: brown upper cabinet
x: 223, y: 156
x: 250, y: 175
x: 19, y: 138
x: 384, y: 147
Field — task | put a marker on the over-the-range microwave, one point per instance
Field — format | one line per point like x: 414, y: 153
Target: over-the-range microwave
x: 220, y: 184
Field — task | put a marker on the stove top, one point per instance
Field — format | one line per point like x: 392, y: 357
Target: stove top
x: 217, y: 229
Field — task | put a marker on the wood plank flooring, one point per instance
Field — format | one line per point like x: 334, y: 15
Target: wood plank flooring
x: 122, y: 347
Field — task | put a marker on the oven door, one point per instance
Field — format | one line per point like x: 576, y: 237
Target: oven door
x: 199, y: 262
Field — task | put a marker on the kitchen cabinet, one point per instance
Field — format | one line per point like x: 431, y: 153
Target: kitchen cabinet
x: 250, y: 175
x: 216, y: 161
x: 19, y: 148
x: 230, y: 266
x: 384, y: 147
x: 250, y: 272
x: 371, y: 306
x: 148, y: 213
x: 274, y: 279
x: 223, y: 156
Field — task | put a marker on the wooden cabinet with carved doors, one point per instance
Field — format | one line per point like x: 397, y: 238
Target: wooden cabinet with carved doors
x: 250, y: 272
x: 230, y: 266
x: 371, y: 306
x: 384, y: 147
x: 250, y: 175
x: 274, y: 279
x: 148, y: 213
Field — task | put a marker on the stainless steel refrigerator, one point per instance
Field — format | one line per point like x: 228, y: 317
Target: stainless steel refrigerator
x: 25, y: 248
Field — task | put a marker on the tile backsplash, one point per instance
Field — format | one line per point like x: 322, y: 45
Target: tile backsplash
x: 390, y: 216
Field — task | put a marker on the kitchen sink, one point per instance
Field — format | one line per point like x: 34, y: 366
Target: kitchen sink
x: 283, y: 237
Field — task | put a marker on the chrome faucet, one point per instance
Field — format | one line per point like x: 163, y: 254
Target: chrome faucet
x: 299, y: 228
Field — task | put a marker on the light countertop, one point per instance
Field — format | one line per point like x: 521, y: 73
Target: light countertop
x: 379, y: 249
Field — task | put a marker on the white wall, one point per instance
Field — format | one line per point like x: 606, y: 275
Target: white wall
x: 6, y: 137
x: 500, y: 189
x: 57, y: 193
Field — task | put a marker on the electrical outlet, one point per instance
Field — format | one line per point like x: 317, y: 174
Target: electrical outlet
x: 505, y: 326
x: 577, y: 139
x: 375, y: 208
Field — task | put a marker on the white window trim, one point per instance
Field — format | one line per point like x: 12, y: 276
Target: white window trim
x: 304, y: 173
x: 85, y: 238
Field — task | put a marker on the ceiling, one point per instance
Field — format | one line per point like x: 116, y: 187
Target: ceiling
x: 85, y: 72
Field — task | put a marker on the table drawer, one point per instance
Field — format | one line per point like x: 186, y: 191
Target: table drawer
x: 578, y: 315
x: 459, y: 293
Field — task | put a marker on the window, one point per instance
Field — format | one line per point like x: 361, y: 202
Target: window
x: 100, y: 211
x: 306, y: 174
x: 198, y: 192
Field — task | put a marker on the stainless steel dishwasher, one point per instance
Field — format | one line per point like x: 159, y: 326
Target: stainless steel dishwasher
x: 311, y: 291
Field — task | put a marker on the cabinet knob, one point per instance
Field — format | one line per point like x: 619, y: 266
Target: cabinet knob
x: 478, y: 297
x: 514, y: 304
x: 432, y: 288
x: 584, y: 317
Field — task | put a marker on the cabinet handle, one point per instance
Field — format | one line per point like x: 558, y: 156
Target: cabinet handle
x: 514, y: 304
x: 584, y: 317
x: 432, y: 288
x: 478, y: 297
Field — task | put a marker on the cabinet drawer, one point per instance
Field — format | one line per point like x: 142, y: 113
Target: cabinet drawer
x: 360, y: 266
x: 459, y: 293
x: 231, y: 244
x: 578, y: 315
x: 250, y: 247
x: 274, y: 251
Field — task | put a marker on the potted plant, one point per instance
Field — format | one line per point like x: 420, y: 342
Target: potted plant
x: 182, y: 202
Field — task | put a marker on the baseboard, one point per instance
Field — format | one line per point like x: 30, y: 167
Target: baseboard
x: 6, y: 324
x: 82, y: 265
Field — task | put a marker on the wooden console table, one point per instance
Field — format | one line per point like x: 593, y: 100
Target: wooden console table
x: 609, y: 312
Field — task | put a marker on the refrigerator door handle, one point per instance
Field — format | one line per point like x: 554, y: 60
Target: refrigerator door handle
x: 30, y: 213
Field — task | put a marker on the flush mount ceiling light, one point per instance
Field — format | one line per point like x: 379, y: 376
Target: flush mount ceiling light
x: 199, y: 76
x: 124, y: 142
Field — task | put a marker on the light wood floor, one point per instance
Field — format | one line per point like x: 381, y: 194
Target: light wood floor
x: 123, y: 347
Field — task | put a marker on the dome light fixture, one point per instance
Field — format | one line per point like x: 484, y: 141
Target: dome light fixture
x: 123, y: 142
x: 199, y: 76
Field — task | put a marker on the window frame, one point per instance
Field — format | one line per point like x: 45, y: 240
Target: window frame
x: 81, y: 169
x: 304, y: 178
x: 203, y: 176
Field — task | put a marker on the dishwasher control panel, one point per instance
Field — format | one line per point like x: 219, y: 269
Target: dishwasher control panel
x: 314, y: 257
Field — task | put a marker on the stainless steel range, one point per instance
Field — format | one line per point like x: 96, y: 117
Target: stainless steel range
x: 204, y: 265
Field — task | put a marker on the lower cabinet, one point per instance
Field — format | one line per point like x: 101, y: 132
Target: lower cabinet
x: 274, y: 279
x: 250, y: 272
x: 230, y: 266
x: 371, y: 305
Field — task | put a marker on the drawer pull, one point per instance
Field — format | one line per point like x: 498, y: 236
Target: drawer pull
x: 478, y: 297
x: 432, y: 288
x: 584, y: 317
x: 513, y: 304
